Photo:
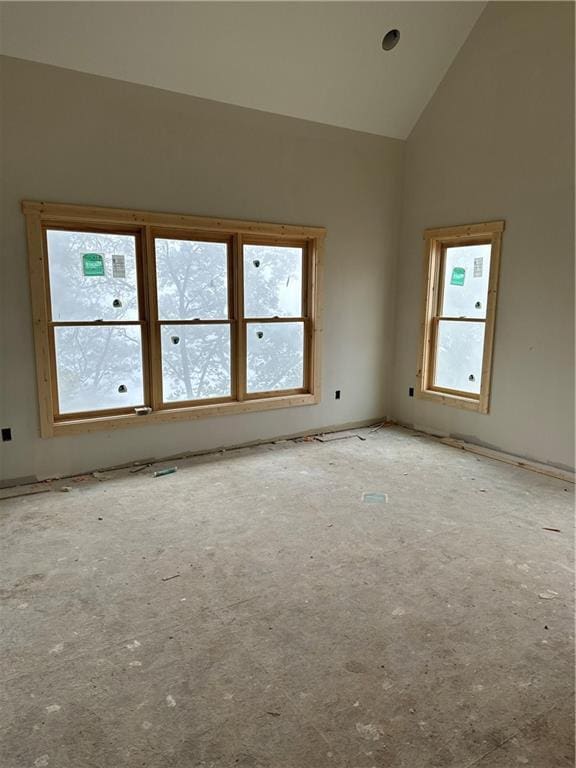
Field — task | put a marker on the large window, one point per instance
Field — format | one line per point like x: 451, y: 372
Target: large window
x: 143, y: 317
x: 461, y: 280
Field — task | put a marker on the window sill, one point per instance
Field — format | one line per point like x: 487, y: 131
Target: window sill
x: 107, y: 423
x: 455, y: 401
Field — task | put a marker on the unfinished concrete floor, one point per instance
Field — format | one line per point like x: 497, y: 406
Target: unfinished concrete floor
x: 252, y: 610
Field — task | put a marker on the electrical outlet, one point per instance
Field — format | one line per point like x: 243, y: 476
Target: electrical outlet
x: 410, y: 391
x: 337, y: 395
x: 6, y: 434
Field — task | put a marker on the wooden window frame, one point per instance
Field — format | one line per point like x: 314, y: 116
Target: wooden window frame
x: 146, y: 226
x: 436, y: 242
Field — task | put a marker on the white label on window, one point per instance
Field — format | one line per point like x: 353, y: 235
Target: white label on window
x: 118, y: 265
x: 478, y: 263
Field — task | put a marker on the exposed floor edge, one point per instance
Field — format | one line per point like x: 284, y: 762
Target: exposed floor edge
x: 202, y: 452
x: 492, y: 453
x: 13, y: 481
x: 268, y: 441
x: 40, y: 486
x: 533, y: 466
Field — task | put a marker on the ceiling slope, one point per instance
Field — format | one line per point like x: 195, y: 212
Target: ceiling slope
x: 317, y: 61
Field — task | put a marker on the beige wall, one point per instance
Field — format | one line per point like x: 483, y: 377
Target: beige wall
x: 70, y: 137
x: 496, y: 141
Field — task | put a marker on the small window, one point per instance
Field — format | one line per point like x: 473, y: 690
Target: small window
x: 461, y: 282
x: 144, y: 317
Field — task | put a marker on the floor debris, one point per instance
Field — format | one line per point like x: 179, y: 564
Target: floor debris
x: 169, y: 578
x: 140, y: 468
x: 65, y: 489
x: 556, y: 530
x: 330, y: 437
x: 380, y: 426
x: 167, y: 471
x: 548, y: 594
x: 374, y: 498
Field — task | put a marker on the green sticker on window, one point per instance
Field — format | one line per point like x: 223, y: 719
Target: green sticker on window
x: 458, y: 275
x: 93, y: 264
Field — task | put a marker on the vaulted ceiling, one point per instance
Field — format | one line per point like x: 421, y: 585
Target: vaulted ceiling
x: 318, y: 61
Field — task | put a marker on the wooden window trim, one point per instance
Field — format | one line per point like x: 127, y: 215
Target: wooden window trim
x: 41, y: 216
x: 436, y: 242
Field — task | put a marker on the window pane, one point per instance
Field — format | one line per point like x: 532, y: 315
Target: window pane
x: 275, y: 356
x: 192, y: 280
x: 98, y: 367
x: 272, y: 281
x: 195, y: 362
x: 92, y: 276
x: 459, y: 355
x: 466, y: 273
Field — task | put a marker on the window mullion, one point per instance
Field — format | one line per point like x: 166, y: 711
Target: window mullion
x: 439, y: 279
x: 239, y: 355
x: 153, y: 326
x: 431, y: 366
x: 54, y: 371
